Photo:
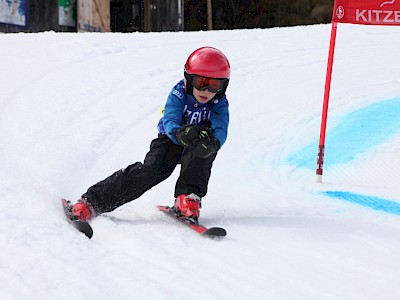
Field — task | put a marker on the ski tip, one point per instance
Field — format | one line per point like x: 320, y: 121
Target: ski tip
x: 215, y: 232
x: 64, y: 202
x: 163, y: 208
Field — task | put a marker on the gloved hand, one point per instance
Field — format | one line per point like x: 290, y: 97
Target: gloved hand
x: 206, y: 145
x: 198, y: 138
x: 187, y: 134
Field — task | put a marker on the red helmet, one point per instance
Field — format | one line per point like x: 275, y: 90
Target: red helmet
x: 208, y: 62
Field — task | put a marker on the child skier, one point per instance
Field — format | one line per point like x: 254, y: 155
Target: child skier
x: 192, y: 130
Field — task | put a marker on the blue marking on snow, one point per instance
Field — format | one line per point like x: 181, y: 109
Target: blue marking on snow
x: 372, y: 202
x: 356, y: 133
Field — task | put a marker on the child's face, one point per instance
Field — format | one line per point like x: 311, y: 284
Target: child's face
x: 203, y: 96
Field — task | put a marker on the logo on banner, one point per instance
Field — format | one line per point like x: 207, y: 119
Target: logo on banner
x: 387, y: 2
x: 340, y: 12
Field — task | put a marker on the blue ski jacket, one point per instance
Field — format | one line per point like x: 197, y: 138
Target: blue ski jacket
x: 182, y: 108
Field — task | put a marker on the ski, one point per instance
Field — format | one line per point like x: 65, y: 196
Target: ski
x: 81, y: 226
x: 209, y: 232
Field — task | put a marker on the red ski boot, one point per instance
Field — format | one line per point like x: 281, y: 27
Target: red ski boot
x: 188, y: 206
x: 82, y: 210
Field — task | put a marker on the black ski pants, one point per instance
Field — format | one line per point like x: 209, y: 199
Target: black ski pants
x: 130, y: 183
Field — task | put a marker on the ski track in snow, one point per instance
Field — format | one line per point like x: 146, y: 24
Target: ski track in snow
x: 81, y: 106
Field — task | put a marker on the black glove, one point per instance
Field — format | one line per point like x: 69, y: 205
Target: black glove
x: 206, y: 145
x: 187, y: 134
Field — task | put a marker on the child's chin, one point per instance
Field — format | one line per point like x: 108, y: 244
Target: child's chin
x: 203, y: 100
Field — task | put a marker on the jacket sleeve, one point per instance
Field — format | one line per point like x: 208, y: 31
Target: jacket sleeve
x: 173, y: 112
x: 219, y: 119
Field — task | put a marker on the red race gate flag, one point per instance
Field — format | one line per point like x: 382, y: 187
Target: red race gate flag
x: 368, y: 12
x: 372, y: 12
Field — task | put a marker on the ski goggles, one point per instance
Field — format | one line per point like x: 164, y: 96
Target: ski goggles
x: 212, y: 84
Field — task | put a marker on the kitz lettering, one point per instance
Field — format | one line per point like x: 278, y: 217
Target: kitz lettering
x: 377, y: 16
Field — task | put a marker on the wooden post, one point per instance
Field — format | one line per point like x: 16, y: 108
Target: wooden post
x: 147, y: 15
x: 209, y: 15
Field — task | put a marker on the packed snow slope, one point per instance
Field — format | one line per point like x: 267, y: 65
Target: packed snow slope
x: 77, y: 107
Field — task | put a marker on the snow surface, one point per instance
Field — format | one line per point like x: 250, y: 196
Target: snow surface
x: 77, y: 107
